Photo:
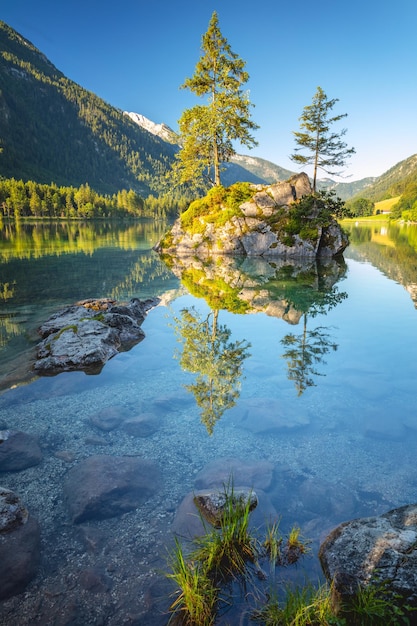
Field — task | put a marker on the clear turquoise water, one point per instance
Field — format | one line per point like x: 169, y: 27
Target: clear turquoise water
x: 343, y: 448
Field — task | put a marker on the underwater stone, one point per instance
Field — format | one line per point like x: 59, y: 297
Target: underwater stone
x: 240, y: 472
x: 103, y: 486
x: 19, y: 545
x: 12, y: 511
x: 142, y: 425
x: 18, y: 450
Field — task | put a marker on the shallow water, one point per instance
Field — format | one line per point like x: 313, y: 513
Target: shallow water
x: 315, y: 376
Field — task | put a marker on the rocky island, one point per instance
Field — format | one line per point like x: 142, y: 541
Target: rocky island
x: 281, y: 220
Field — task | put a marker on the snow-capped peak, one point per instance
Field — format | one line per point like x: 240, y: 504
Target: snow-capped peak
x: 161, y: 130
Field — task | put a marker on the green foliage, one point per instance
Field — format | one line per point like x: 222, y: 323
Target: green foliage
x: 360, y: 207
x: 224, y: 553
x: 228, y: 553
x: 208, y: 132
x: 217, y: 207
x: 306, y: 215
x: 216, y: 291
x: 19, y: 199
x: 376, y: 605
x: 304, y: 352
x: 196, y: 597
x: 406, y: 207
x: 325, y: 149
x: 303, y: 606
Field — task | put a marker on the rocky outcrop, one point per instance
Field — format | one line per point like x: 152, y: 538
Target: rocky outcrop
x: 256, y: 229
x: 380, y: 550
x: 86, y: 335
x: 19, y: 545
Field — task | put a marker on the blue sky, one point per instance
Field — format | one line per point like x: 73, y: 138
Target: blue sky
x: 135, y: 55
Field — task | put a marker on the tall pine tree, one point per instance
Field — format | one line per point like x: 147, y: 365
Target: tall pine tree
x: 207, y: 132
x: 325, y: 149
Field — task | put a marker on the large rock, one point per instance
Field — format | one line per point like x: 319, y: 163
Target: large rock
x: 380, y: 549
x: 18, y: 450
x: 19, y: 545
x: 255, y: 230
x: 86, y: 335
x: 105, y: 486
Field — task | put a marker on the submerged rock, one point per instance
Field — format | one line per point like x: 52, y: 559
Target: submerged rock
x: 142, y: 425
x: 86, y: 335
x: 19, y: 545
x: 105, y: 486
x: 380, y: 550
x: 18, y: 450
x: 226, y: 471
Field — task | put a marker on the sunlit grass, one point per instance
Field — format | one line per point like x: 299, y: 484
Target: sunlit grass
x: 226, y: 551
x: 196, y: 597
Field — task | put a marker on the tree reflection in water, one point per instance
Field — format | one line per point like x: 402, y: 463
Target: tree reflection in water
x: 306, y: 350
x: 208, y: 352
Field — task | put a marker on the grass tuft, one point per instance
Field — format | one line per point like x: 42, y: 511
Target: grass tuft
x: 196, y: 597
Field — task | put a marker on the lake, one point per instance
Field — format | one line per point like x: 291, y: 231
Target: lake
x: 295, y: 380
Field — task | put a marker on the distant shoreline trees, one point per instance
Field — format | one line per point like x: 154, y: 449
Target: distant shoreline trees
x: 23, y: 200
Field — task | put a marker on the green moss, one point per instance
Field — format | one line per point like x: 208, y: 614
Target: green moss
x: 217, y: 207
x: 167, y: 240
x: 72, y: 327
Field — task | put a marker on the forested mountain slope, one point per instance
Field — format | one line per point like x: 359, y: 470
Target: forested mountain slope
x: 51, y: 129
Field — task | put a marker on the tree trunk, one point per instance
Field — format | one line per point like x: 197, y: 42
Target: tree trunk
x: 216, y: 164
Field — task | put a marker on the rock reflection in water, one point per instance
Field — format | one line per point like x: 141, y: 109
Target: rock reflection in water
x: 288, y: 289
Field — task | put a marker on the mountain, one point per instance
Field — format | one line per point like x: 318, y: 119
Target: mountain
x: 51, y: 129
x: 346, y: 190
x: 161, y: 130
x: 393, y: 182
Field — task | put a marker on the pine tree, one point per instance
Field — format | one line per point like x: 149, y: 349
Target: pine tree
x: 207, y: 132
x: 326, y: 150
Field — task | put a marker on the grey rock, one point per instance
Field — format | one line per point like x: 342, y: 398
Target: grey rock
x: 142, y: 425
x: 188, y: 521
x: 373, y: 550
x: 104, y: 486
x: 12, y: 511
x: 212, y: 504
x: 86, y: 335
x: 107, y: 418
x: 18, y: 450
x: 95, y: 580
x: 19, y: 545
x: 252, y: 233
